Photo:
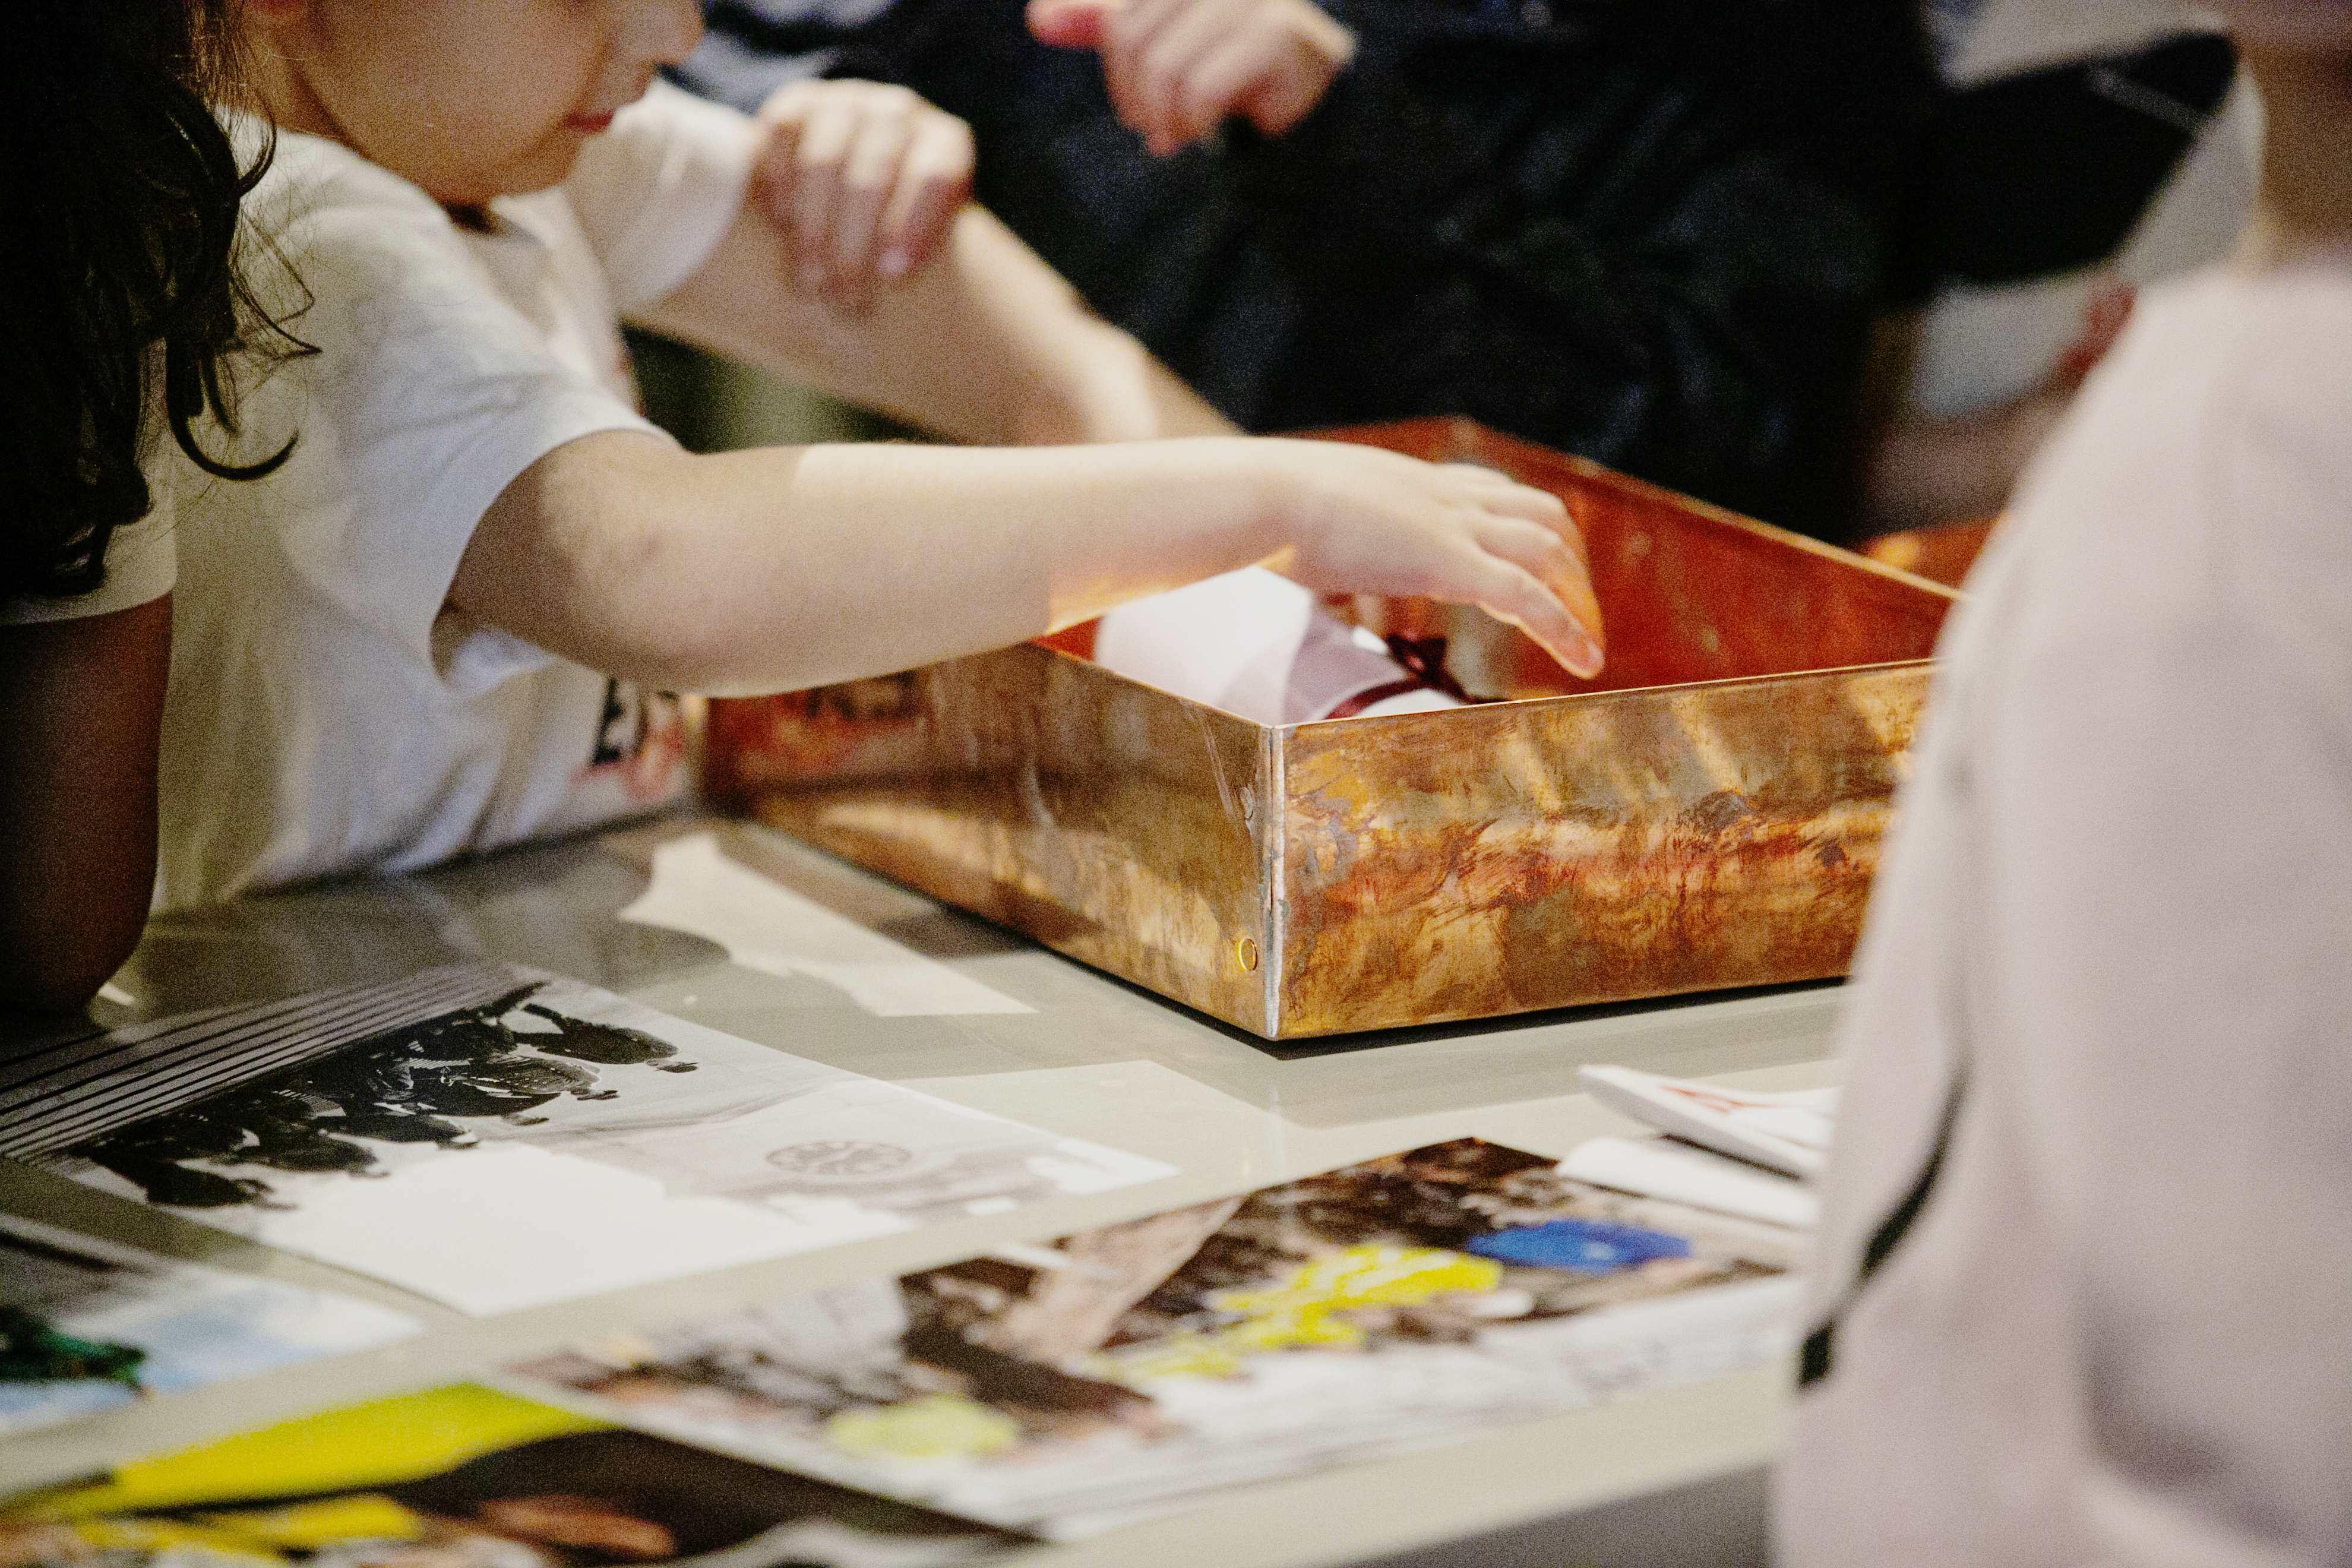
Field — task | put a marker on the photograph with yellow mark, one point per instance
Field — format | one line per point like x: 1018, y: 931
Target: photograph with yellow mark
x: 1065, y: 1389
x: 467, y: 1477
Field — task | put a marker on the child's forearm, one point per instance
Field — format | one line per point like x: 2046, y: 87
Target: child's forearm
x: 784, y: 568
x: 986, y: 344
x: 788, y: 567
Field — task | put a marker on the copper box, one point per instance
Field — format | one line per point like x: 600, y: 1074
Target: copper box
x: 1707, y: 814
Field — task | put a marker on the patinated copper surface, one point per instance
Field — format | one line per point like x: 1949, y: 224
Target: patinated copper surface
x: 1707, y: 814
x: 1942, y: 554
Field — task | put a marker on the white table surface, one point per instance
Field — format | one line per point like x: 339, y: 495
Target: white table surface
x: 1098, y: 1059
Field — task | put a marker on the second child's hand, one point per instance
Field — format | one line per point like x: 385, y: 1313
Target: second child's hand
x: 1176, y: 69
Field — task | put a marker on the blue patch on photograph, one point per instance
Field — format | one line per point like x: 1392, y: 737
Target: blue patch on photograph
x: 1584, y: 1245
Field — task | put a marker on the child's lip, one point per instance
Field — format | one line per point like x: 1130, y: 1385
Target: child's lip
x: 590, y: 122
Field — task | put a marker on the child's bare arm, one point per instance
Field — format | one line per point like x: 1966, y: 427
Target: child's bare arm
x: 985, y: 344
x: 763, y: 570
x: 82, y: 704
x: 784, y: 568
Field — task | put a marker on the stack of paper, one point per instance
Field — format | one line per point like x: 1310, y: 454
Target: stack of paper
x: 1735, y: 1152
x: 1063, y: 1388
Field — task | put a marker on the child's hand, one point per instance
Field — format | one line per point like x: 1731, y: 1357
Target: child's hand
x: 1177, y: 69
x: 866, y: 179
x: 1369, y: 521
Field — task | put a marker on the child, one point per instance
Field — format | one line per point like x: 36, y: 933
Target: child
x: 447, y: 623
x: 122, y: 208
x: 2084, y: 1290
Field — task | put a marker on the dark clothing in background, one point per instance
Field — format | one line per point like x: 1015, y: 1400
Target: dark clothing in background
x: 1648, y: 231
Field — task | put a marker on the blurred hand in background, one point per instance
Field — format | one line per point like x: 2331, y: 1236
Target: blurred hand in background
x: 1178, y: 68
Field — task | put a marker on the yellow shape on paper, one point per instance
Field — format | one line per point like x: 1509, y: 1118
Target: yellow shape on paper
x: 936, y: 1426
x: 354, y: 1448
x: 307, y: 1526
x: 1304, y: 1309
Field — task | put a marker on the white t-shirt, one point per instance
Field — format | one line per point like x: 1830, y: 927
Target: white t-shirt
x: 2119, y: 1332
x: 327, y: 713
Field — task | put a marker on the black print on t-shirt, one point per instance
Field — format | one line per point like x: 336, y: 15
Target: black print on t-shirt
x: 641, y: 739
x: 621, y: 732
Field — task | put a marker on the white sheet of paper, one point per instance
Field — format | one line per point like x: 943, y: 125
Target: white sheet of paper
x: 1790, y: 1133
x: 1662, y: 1168
x: 1255, y: 645
x: 508, y: 1162
x: 697, y: 889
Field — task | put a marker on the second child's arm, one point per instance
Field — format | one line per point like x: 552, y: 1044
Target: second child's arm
x: 985, y: 344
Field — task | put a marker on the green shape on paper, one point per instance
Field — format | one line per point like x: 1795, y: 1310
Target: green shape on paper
x: 32, y: 1351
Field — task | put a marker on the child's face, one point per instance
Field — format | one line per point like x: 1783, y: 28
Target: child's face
x: 468, y: 99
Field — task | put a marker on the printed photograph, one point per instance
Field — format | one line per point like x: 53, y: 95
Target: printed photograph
x: 87, y: 1326
x: 556, y: 1141
x: 1066, y: 1388
x: 469, y: 1477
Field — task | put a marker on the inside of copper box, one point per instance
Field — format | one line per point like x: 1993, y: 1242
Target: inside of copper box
x: 1687, y: 593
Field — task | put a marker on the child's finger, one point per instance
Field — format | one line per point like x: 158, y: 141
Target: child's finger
x: 870, y: 173
x: 785, y: 117
x: 1511, y: 593
x: 1497, y: 490
x: 779, y: 166
x: 831, y: 126
x: 1070, y: 23
x: 1534, y: 528
x: 824, y: 131
x: 1129, y: 34
x: 1483, y: 474
x: 1244, y: 69
x: 933, y: 187
x: 1557, y: 565
x: 786, y: 107
x: 1286, y: 92
x: 1163, y: 76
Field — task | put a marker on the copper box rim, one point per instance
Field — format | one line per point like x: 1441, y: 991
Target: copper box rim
x: 1719, y: 684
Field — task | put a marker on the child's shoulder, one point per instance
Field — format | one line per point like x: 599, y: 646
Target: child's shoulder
x: 324, y: 204
x: 308, y: 173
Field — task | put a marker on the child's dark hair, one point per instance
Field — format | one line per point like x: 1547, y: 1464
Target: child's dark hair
x: 118, y: 228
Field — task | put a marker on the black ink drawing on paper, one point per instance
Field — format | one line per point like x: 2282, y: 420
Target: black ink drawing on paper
x: 506, y: 1137
x: 414, y: 1084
